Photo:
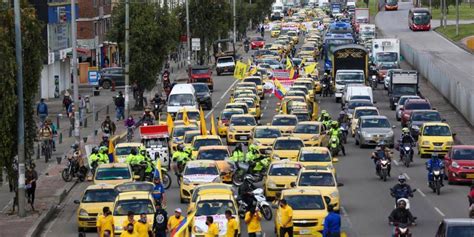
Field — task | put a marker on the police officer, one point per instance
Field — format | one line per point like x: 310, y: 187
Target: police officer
x: 237, y: 154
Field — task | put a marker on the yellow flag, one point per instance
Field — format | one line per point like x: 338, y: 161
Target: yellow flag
x: 169, y: 122
x: 203, y: 122
x: 292, y: 73
x: 310, y: 68
x: 185, y: 117
x: 240, y: 70
x: 303, y: 61
x: 253, y: 71
x: 249, y: 62
x: 213, y: 125
x: 288, y: 63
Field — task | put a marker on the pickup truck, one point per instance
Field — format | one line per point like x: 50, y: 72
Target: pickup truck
x: 225, y: 65
x: 198, y: 73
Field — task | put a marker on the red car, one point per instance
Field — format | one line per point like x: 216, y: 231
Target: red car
x: 459, y: 164
x: 198, y: 73
x: 410, y: 105
x: 257, y: 43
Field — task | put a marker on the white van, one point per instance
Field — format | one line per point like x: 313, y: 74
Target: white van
x: 345, y: 77
x: 357, y: 91
x: 181, y: 96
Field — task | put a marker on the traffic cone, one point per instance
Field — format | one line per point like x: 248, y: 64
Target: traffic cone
x: 113, y: 86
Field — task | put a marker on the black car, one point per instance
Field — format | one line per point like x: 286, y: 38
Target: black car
x: 111, y: 75
x: 418, y: 117
x: 203, y: 95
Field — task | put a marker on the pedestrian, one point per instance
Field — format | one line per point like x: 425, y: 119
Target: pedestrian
x: 161, y: 218
x: 143, y: 227
x: 82, y: 108
x: 42, y: 110
x: 252, y: 219
x: 31, y: 177
x: 129, y: 231
x: 158, y: 191
x: 119, y: 106
x: 108, y: 127
x: 212, y: 228
x: 67, y: 100
x: 332, y: 223
x: 105, y: 221
x: 174, y: 221
x: 286, y: 219
x: 130, y: 220
x: 70, y: 114
x: 232, y: 226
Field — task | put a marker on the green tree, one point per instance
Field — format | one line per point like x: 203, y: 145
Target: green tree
x: 33, y: 56
x: 154, y: 32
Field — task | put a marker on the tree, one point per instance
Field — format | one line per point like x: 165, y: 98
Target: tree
x: 154, y: 32
x: 33, y: 57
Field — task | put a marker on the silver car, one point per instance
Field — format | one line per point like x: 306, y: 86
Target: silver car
x: 372, y: 129
x: 401, y: 102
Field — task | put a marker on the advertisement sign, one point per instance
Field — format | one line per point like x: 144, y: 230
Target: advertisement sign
x: 93, y: 76
x: 196, y: 44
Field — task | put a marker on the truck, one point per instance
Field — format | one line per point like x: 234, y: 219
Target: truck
x: 361, y: 16
x: 366, y: 34
x: 156, y: 140
x: 277, y: 11
x: 402, y: 82
x: 385, y: 51
x: 336, y: 8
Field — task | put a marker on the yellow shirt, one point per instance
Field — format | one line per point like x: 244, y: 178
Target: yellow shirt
x: 126, y: 222
x: 126, y: 234
x: 231, y: 227
x: 173, y: 222
x: 212, y: 231
x: 105, y: 223
x: 286, y: 215
x: 253, y: 223
x: 142, y: 229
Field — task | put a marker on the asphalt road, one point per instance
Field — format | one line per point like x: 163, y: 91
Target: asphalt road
x: 366, y: 202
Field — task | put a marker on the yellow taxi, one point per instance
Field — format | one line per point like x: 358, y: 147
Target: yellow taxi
x: 317, y: 157
x: 309, y: 49
x: 197, y: 172
x: 221, y: 155
x: 298, y: 93
x: 285, y: 122
x: 224, y: 118
x: 203, y: 141
x: 322, y: 180
x: 251, y: 96
x: 283, y: 104
x: 293, y: 36
x: 263, y: 137
x: 189, y: 137
x: 122, y: 150
x: 258, y: 81
x: 205, y: 189
x: 242, y: 106
x: 177, y: 135
x: 246, y: 85
x: 254, y: 107
x: 275, y: 32
x: 241, y: 91
x: 214, y: 204
x: 309, y: 211
x: 311, y: 133
x: 280, y: 175
x: 192, y: 113
x: 436, y: 138
x: 304, y: 89
x: 286, y: 148
x: 240, y: 126
x: 136, y: 197
x: 361, y: 111
x: 308, y: 83
x: 94, y: 198
x: 113, y: 174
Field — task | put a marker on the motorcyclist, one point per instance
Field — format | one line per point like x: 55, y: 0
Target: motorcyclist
x: 326, y: 80
x: 148, y: 117
x: 237, y: 154
x: 401, y: 215
x: 245, y: 191
x: 381, y: 151
x: 253, y: 157
x: 108, y: 127
x: 105, y: 141
x: 131, y: 158
x: 326, y: 121
x: 180, y: 157
x: 406, y: 138
x: 246, y: 44
x: 343, y: 118
x: 335, y: 131
x: 432, y: 164
x: 96, y: 159
x: 402, y: 189
x: 147, y: 159
x: 45, y: 133
x: 158, y: 101
x: 103, y: 150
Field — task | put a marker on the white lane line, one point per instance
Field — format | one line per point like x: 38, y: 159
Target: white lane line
x: 406, y: 175
x: 343, y: 211
x: 222, y: 97
x: 396, y: 162
x: 439, y: 211
x: 421, y: 193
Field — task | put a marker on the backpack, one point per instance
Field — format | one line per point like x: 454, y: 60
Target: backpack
x: 67, y: 100
x: 42, y: 108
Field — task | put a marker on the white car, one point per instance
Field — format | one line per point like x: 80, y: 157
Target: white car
x: 401, y: 102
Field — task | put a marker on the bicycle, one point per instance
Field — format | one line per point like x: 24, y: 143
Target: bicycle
x: 46, y: 149
x: 130, y: 134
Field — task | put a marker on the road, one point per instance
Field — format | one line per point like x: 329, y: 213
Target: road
x: 366, y: 202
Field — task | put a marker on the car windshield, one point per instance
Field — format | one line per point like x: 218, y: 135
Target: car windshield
x: 156, y: 142
x: 228, y: 113
x: 201, y: 88
x: 404, y: 99
x: 360, y: 97
x: 181, y: 100
x: 365, y: 112
x: 436, y: 130
x: 225, y: 60
x: 288, y: 145
x: 316, y: 179
x: 179, y: 131
x: 426, y: 116
x: 306, y: 84
x: 299, y: 88
x: 201, y: 170
x: 188, y: 138
x: 315, y: 157
x: 283, y: 170
x: 305, y: 202
x: 99, y: 195
x: 417, y: 106
x: 302, y: 116
x: 463, y: 154
x: 257, y: 39
x: 284, y: 121
x: 387, y: 57
x: 255, y: 80
x: 123, y: 207
x: 307, y: 128
x: 386, y: 66
x: 404, y: 90
x: 124, y: 150
x: 243, y: 121
x: 206, y: 142
x: 200, y: 71
x: 350, y: 78
x: 355, y: 104
x: 214, y: 207
x: 214, y: 154
x: 421, y: 18
x: 244, y: 108
x: 113, y: 173
x: 267, y: 133
x: 460, y: 231
x: 250, y: 103
x: 192, y: 115
x: 307, y: 48
x: 375, y: 123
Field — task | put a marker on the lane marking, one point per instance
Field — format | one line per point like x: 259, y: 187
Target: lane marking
x: 343, y: 211
x: 406, y: 175
x: 222, y: 97
x: 421, y: 193
x: 439, y: 211
x: 396, y: 162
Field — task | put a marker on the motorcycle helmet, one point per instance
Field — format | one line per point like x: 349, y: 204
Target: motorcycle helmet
x: 334, y: 124
x: 325, y: 74
x: 180, y: 147
x: 143, y: 152
x: 157, y: 95
x: 402, y: 179
x: 382, y: 145
x: 95, y: 150
x: 75, y: 146
x: 238, y: 147
x: 133, y: 151
x: 249, y: 178
x: 405, y: 130
x: 147, y: 109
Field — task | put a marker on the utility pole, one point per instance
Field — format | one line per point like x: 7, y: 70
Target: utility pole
x: 442, y: 12
x: 127, y: 57
x: 20, y: 115
x: 235, y: 25
x: 457, y: 17
x: 250, y: 17
x: 77, y: 131
x: 188, y: 34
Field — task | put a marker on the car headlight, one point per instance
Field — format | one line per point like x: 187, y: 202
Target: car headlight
x: 416, y: 128
x: 83, y: 212
x: 276, y: 157
x: 257, y: 143
x: 365, y: 134
x: 449, y: 143
x: 334, y: 194
x: 217, y: 180
x: 455, y: 165
x: 271, y: 184
x: 426, y: 143
x: 118, y: 228
x: 186, y: 181
x: 315, y: 137
x: 231, y: 129
x: 389, y: 134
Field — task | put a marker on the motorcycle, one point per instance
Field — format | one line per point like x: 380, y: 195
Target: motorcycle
x: 407, y: 155
x: 374, y: 82
x: 382, y: 171
x: 334, y: 146
x: 246, y: 47
x: 158, y: 108
x: 165, y: 177
x: 402, y: 197
x: 47, y: 149
x: 344, y: 132
x: 435, y: 184
x: 326, y: 89
x: 244, y: 168
x: 130, y: 134
x: 73, y: 170
x: 402, y: 230
x: 261, y: 202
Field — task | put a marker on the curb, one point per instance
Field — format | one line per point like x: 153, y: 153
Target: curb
x: 460, y: 45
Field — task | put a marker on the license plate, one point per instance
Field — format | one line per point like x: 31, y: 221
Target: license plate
x: 438, y: 147
x: 305, y: 232
x: 243, y: 137
x: 470, y: 176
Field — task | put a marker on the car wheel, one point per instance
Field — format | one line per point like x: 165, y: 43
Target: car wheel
x: 106, y: 84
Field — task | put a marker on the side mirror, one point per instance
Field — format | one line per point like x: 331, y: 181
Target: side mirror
x: 433, y: 108
x: 414, y: 190
x: 136, y: 177
x: 292, y: 184
x: 277, y: 110
x: 340, y: 184
x: 393, y: 126
x: 335, y: 160
x: 454, y: 134
x: 443, y: 120
x: 77, y: 202
x: 375, y: 102
x: 259, y: 123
